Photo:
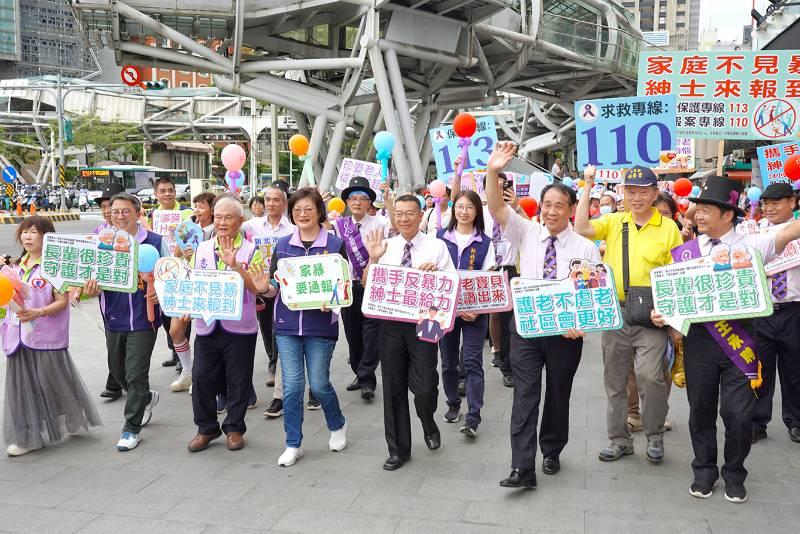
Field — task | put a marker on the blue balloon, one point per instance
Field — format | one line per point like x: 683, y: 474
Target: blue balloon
x: 568, y: 181
x: 148, y: 256
x: 421, y: 201
x: 754, y: 194
x: 383, y: 142
x: 695, y: 191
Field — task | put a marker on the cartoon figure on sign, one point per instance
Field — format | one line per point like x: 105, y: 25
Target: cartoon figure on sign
x: 601, y: 274
x: 576, y: 272
x: 429, y: 328
x: 121, y: 242
x: 346, y: 289
x: 106, y: 237
x: 336, y: 287
x: 740, y: 256
x: 721, y: 256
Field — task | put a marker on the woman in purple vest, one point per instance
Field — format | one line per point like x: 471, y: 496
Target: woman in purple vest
x: 471, y: 250
x: 306, y: 339
x: 44, y: 395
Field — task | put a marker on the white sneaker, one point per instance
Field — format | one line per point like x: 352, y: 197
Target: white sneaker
x: 290, y: 456
x: 148, y: 410
x: 128, y: 441
x: 16, y: 450
x: 183, y: 382
x: 338, y: 439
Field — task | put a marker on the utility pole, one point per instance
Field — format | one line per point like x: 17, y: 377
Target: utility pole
x: 61, y: 159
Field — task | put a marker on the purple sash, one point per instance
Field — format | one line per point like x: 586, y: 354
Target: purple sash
x: 730, y: 336
x: 356, y: 251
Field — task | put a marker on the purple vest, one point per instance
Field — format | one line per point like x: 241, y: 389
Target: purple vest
x: 248, y: 324
x: 48, y: 333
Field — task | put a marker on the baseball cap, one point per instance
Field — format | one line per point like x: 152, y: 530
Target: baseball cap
x: 640, y: 176
x: 777, y: 191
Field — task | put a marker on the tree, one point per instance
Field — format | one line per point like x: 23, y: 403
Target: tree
x: 89, y: 130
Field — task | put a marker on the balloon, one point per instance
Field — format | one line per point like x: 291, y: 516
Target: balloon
x: 421, y: 201
x: 148, y: 256
x: 753, y: 194
x: 6, y: 291
x: 791, y: 167
x: 696, y: 191
x: 529, y: 205
x: 438, y: 189
x: 683, y: 187
x: 233, y: 157
x: 568, y: 181
x: 234, y: 177
x: 383, y: 142
x: 581, y: 183
x: 298, y: 144
x: 336, y: 204
x: 464, y: 125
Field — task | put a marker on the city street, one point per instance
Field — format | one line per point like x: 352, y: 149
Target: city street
x: 85, y: 485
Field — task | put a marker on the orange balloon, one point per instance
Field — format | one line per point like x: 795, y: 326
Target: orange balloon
x: 298, y: 144
x: 336, y: 204
x: 529, y: 205
x: 6, y: 291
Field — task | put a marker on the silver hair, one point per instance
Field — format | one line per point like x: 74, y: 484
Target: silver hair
x: 231, y: 200
x: 283, y: 193
x: 133, y: 199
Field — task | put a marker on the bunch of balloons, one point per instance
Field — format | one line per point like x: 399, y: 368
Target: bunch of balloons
x: 464, y: 126
x: 148, y: 256
x: 384, y: 144
x: 298, y: 145
x: 233, y: 158
x: 439, y: 192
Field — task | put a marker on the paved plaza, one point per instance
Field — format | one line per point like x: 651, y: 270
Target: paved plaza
x: 86, y: 485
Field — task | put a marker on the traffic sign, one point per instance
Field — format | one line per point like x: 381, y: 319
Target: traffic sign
x: 131, y: 75
x: 10, y: 174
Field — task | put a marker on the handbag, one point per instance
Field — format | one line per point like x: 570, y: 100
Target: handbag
x: 638, y: 299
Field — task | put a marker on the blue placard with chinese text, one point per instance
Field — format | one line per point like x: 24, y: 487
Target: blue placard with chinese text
x: 771, y: 159
x: 445, y: 148
x: 618, y: 133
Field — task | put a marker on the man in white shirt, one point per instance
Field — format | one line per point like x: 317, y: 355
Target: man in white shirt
x: 779, y: 334
x: 406, y: 361
x: 546, y: 251
x: 361, y: 332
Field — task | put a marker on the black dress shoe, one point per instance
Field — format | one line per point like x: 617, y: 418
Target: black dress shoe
x: 354, y: 385
x: 551, y: 465
x: 434, y: 441
x: 508, y: 381
x: 393, y: 463
x: 172, y: 362
x: 110, y: 394
x: 794, y: 434
x: 758, y: 435
x: 520, y: 478
x: 367, y: 393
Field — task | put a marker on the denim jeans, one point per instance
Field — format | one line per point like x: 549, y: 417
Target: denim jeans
x: 298, y: 353
x: 474, y: 333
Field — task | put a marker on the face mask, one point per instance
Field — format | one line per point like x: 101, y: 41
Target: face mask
x: 605, y: 210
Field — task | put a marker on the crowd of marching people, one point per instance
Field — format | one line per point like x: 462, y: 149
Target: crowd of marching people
x: 632, y: 230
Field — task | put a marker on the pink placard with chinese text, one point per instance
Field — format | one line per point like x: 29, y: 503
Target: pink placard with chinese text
x: 484, y: 292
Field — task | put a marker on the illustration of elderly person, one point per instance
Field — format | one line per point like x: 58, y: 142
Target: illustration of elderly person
x: 721, y: 256
x: 740, y: 256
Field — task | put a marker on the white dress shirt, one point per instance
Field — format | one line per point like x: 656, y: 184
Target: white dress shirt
x: 261, y: 227
x: 531, y: 238
x: 424, y: 249
x: 429, y: 220
x: 509, y: 253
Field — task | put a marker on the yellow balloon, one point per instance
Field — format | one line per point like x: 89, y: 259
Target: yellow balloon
x: 336, y: 204
x: 298, y: 144
x: 581, y: 183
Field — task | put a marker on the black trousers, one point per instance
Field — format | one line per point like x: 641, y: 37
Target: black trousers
x: 267, y: 335
x: 506, y: 320
x: 407, y: 363
x: 561, y: 357
x: 779, y: 343
x: 713, y: 379
x: 362, y: 339
x: 222, y: 361
x: 165, y: 322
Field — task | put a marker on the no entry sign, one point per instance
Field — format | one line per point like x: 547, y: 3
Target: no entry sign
x: 131, y: 75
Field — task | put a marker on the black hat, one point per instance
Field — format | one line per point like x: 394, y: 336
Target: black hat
x: 109, y: 191
x: 359, y: 183
x: 282, y: 185
x: 721, y: 192
x: 641, y: 176
x: 777, y: 191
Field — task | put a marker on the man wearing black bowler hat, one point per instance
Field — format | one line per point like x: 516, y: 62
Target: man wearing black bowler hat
x: 712, y: 375
x: 779, y: 334
x: 361, y: 332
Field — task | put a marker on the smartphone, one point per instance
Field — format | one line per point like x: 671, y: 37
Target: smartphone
x: 508, y: 184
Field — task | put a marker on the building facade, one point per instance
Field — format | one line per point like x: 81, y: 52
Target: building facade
x: 679, y: 18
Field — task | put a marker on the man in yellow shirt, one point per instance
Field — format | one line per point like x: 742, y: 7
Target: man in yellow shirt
x: 650, y: 240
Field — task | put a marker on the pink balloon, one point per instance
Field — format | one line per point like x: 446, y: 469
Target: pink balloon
x: 438, y: 189
x: 233, y: 157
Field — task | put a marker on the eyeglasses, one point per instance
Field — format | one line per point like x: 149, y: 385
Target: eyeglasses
x: 359, y: 198
x: 467, y: 208
x: 225, y: 218
x: 124, y: 212
x: 303, y: 211
x: 405, y: 214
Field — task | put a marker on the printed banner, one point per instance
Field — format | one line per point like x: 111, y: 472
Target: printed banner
x: 736, y: 94
x: 679, y: 159
x: 445, y: 148
x: 351, y: 168
x: 586, y: 300
x: 729, y: 283
x: 788, y: 259
x: 188, y: 234
x: 266, y: 244
x: 110, y: 257
x: 308, y: 282
x: 413, y: 296
x: 484, y: 292
x: 610, y: 176
x: 771, y: 159
x: 165, y: 222
x: 618, y: 133
x: 201, y: 293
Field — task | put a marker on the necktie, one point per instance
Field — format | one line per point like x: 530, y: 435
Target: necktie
x: 779, y: 285
x: 550, y: 265
x: 406, y: 261
x: 496, y: 237
x: 358, y: 227
x: 714, y: 242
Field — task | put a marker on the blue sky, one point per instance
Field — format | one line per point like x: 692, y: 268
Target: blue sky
x: 728, y: 16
